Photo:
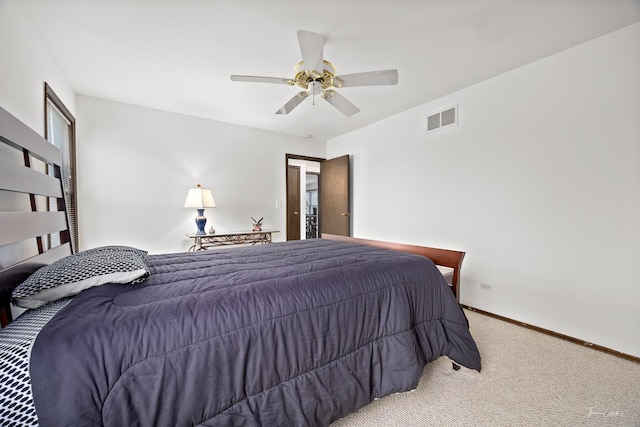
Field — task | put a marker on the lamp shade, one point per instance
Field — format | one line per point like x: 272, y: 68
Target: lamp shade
x: 199, y: 198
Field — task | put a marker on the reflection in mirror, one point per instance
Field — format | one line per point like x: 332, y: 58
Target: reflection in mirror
x: 312, y: 206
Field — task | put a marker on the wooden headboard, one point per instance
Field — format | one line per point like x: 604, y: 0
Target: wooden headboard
x: 442, y: 257
x: 34, y: 230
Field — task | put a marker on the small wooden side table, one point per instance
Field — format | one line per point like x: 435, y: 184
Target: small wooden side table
x: 205, y: 241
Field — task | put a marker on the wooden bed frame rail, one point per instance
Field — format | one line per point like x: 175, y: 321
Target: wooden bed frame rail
x: 442, y: 257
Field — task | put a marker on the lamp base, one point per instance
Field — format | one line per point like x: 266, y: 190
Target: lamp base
x: 201, y: 220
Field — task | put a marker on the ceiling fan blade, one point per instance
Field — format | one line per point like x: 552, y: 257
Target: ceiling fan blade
x: 370, y: 78
x: 311, y: 45
x: 259, y: 79
x: 340, y: 102
x: 293, y: 102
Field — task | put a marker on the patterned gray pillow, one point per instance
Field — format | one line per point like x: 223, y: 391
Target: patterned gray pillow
x: 74, y: 273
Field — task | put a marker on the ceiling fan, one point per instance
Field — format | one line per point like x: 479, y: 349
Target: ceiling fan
x: 317, y: 76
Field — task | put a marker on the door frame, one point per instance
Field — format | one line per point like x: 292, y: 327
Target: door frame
x: 286, y: 168
x: 294, y: 203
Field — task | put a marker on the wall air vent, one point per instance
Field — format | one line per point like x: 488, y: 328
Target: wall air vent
x: 442, y: 119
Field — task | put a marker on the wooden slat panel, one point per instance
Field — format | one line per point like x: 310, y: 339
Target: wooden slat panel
x: 14, y: 177
x: 11, y: 273
x: 46, y: 258
x: 17, y: 226
x: 52, y: 255
x: 19, y: 136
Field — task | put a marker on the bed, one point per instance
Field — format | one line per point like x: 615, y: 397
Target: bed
x: 289, y: 333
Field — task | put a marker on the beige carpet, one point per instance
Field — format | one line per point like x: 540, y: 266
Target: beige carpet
x: 527, y: 379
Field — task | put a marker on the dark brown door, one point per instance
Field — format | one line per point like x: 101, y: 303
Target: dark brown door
x: 293, y: 202
x: 334, y: 213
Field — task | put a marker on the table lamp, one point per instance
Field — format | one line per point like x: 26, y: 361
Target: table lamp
x: 200, y: 198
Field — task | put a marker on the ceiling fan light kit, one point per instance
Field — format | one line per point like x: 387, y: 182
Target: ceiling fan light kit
x: 317, y: 76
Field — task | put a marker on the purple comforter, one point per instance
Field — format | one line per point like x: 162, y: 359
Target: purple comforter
x: 286, y: 334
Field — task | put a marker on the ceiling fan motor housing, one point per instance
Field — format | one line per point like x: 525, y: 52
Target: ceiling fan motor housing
x: 327, y: 79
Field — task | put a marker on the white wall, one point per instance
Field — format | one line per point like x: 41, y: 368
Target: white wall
x: 135, y: 166
x: 539, y: 184
x: 26, y: 66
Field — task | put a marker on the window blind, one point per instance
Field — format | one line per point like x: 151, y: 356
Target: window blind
x: 60, y: 134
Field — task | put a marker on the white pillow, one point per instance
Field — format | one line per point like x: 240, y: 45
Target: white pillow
x: 74, y: 273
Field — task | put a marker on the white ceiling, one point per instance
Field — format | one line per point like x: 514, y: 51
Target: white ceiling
x: 177, y: 55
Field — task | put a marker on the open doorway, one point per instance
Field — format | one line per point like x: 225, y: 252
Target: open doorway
x: 318, y: 196
x: 302, y: 196
x: 311, y: 205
